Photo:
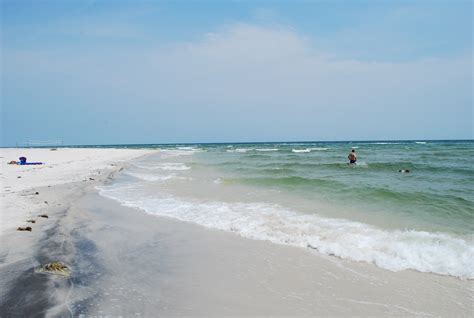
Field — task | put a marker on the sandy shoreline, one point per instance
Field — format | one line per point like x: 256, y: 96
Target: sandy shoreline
x: 126, y: 263
x: 61, y: 166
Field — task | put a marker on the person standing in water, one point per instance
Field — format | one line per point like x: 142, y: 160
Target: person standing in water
x: 352, y: 156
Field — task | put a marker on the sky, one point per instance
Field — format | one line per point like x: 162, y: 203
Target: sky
x: 122, y: 72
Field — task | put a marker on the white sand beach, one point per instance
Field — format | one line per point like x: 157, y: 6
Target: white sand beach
x: 64, y: 165
x: 236, y: 158
x: 127, y: 263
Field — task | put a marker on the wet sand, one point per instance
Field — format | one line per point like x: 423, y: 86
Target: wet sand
x: 127, y: 263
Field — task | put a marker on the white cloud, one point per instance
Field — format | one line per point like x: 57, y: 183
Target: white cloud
x: 269, y: 80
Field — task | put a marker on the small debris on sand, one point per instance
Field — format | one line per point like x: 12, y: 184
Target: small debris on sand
x: 46, y: 202
x: 19, y: 177
x: 31, y: 221
x: 313, y: 247
x: 43, y: 216
x: 92, y: 179
x: 54, y: 268
x: 28, y: 228
x: 37, y: 193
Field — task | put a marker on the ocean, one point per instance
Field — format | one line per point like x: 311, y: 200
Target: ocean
x: 307, y: 195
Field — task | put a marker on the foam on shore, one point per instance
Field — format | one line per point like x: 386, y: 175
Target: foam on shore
x: 438, y: 253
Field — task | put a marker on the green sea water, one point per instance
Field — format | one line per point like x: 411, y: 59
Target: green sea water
x: 437, y: 193
x: 307, y: 195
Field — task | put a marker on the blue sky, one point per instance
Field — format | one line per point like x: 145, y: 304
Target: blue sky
x: 101, y: 72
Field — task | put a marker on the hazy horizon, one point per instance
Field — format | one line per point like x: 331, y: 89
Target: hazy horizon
x: 39, y: 144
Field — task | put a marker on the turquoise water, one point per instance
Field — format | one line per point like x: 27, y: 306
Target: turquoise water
x: 305, y: 194
x: 438, y: 191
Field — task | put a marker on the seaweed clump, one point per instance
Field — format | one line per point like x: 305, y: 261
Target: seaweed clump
x: 57, y: 268
x: 28, y: 228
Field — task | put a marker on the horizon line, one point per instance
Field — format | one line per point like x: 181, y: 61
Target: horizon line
x: 241, y: 142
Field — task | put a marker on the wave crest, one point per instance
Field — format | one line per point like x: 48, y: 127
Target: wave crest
x: 393, y: 250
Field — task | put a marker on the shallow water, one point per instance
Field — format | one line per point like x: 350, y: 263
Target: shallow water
x: 305, y: 194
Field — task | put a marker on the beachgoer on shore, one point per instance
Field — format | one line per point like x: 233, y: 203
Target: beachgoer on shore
x: 352, y: 156
x: 23, y: 162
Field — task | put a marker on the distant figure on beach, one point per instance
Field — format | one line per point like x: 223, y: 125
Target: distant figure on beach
x: 352, y: 156
x: 23, y: 162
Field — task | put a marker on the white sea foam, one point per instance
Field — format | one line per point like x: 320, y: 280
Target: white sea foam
x: 153, y: 177
x: 170, y: 153
x: 301, y: 150
x: 243, y: 150
x: 318, y: 149
x: 163, y: 166
x: 420, y: 142
x: 173, y: 166
x: 266, y: 149
x: 393, y: 250
x: 362, y: 164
